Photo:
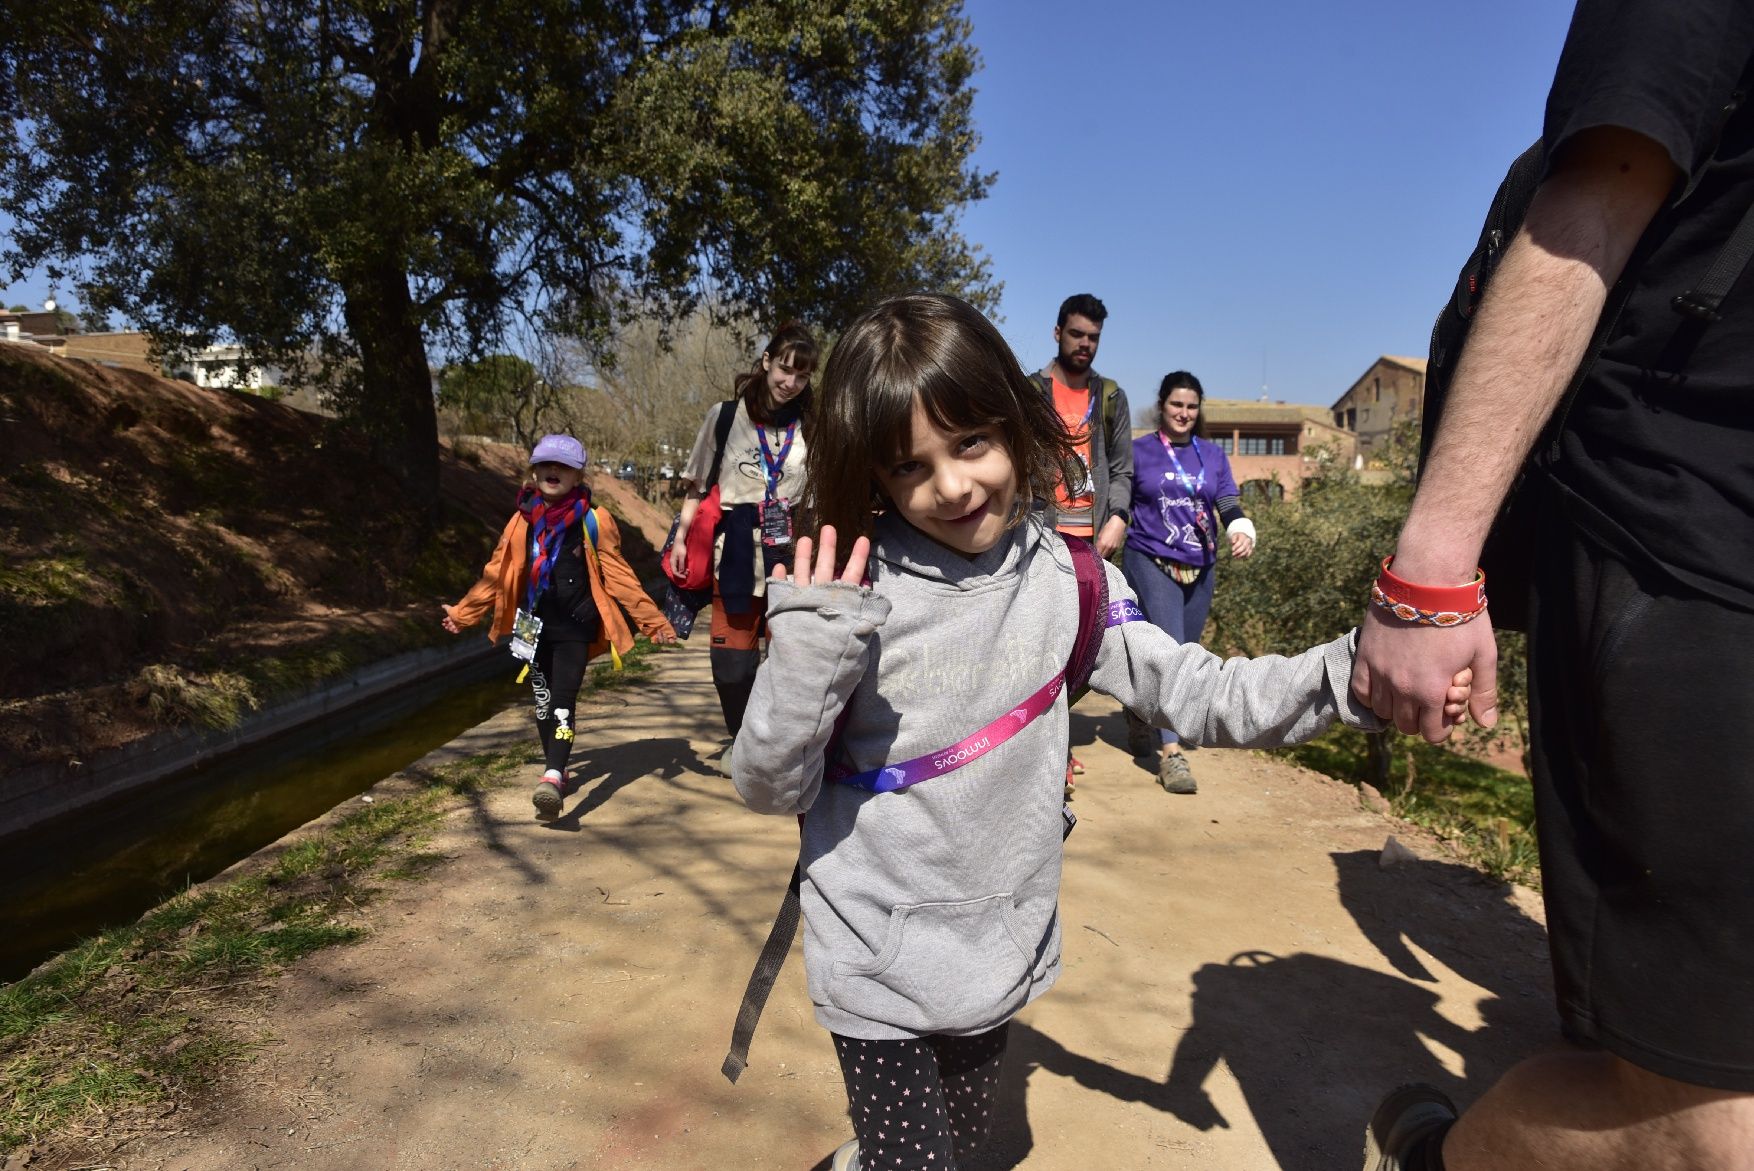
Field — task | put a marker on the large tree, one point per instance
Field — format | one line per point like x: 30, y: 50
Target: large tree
x: 366, y: 179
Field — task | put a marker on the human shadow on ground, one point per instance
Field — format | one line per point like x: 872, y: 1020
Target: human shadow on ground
x: 606, y: 771
x: 1110, y: 728
x: 1313, y: 1041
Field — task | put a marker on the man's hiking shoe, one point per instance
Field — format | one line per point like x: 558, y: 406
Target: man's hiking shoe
x: 549, y: 795
x: 846, y: 1157
x: 1142, y: 739
x: 1408, y: 1118
x: 1174, y: 774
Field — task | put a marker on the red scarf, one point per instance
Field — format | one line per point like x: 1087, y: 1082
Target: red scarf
x: 549, y: 522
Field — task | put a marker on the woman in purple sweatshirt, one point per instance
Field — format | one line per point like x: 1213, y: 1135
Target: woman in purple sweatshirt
x: 1183, y: 491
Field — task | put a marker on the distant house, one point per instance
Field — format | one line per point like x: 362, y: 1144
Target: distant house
x: 33, y: 329
x: 1273, y: 447
x: 224, y: 367
x: 128, y: 349
x: 1392, y: 391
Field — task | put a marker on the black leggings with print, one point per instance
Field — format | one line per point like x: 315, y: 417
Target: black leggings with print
x: 555, y: 678
x: 924, y: 1103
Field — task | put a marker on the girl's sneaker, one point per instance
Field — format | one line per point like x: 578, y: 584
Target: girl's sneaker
x: 549, y: 795
x: 846, y: 1157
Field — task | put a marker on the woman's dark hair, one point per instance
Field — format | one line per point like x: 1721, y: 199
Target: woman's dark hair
x: 1182, y: 380
x: 940, y: 351
x: 792, y: 344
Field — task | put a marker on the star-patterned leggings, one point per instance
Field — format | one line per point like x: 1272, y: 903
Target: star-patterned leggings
x: 924, y: 1103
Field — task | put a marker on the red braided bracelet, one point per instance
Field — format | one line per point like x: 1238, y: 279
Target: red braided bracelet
x: 1429, y: 605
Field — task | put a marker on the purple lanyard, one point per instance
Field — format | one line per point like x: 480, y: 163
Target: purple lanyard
x: 891, y: 777
x: 775, y: 465
x: 1192, y: 485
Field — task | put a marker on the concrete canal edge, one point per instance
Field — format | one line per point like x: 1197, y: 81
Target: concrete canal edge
x: 40, y: 793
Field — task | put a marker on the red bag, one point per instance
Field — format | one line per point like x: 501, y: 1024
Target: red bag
x: 698, y: 574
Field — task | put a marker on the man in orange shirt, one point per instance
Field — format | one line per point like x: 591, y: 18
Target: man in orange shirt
x: 1095, y: 411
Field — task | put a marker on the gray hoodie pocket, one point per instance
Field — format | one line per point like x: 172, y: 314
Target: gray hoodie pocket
x: 943, y: 967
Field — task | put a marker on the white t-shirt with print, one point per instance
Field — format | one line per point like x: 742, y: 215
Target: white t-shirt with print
x: 743, y: 474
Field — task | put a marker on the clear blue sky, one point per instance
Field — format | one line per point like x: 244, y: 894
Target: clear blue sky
x: 1238, y: 181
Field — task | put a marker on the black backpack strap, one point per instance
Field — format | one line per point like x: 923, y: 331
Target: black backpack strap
x: 761, y: 980
x: 721, y: 432
x: 1705, y: 300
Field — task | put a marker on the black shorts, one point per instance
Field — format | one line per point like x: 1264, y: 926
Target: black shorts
x: 1641, y: 697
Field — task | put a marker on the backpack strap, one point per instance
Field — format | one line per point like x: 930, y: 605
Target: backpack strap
x: 721, y: 433
x: 767, y: 970
x: 1092, y: 615
x: 591, y: 552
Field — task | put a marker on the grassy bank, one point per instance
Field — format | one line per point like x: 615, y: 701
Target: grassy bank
x: 120, y: 1031
x: 1487, y: 814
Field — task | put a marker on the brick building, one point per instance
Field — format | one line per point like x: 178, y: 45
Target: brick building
x: 1392, y: 391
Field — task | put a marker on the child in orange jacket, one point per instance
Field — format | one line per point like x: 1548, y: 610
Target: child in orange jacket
x: 559, y: 561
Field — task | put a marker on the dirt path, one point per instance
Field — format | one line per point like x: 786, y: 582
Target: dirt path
x: 1242, y: 980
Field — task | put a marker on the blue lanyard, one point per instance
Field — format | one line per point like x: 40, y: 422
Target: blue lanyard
x: 775, y: 465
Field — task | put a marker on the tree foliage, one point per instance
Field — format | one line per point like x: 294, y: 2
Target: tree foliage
x: 363, y: 179
x: 1309, y: 578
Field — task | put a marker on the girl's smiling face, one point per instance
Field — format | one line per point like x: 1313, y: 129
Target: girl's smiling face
x: 958, y: 487
x: 555, y: 480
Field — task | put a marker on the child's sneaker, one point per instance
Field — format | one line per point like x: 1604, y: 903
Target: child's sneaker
x: 1174, y: 774
x: 846, y: 1157
x: 549, y: 795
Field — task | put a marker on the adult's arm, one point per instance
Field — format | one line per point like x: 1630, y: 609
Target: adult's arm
x: 1534, y: 325
x: 1119, y: 442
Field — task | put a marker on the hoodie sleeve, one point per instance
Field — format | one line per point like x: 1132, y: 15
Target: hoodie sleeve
x: 1228, y: 703
x: 820, y: 648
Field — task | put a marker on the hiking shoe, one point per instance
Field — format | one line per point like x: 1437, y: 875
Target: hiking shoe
x: 549, y: 795
x: 846, y: 1157
x: 1174, y: 774
x: 1076, y: 765
x: 1407, y: 1119
x: 1142, y: 738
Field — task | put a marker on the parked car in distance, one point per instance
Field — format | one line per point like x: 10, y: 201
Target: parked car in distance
x: 666, y: 472
x: 627, y: 471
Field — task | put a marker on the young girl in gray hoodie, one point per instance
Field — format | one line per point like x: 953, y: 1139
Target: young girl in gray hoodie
x: 911, y: 710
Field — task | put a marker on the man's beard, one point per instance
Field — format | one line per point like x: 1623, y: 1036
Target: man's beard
x: 1075, y: 362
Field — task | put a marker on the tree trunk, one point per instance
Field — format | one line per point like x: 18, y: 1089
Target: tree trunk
x: 396, y: 400
x: 1378, y: 756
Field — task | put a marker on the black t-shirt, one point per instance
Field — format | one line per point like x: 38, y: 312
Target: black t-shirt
x: 1657, y: 455
x: 567, y: 608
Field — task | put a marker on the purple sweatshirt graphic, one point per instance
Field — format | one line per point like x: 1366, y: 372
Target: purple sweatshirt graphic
x: 1168, y: 500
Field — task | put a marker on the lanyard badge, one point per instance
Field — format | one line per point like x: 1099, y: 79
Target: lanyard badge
x: 526, y: 632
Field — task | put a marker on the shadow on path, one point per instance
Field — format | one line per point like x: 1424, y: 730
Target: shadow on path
x: 615, y: 767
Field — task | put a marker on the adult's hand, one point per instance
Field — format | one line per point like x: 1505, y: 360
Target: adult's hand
x: 1114, y: 531
x: 823, y: 572
x: 1404, y: 672
x: 1241, y: 545
x: 679, y: 553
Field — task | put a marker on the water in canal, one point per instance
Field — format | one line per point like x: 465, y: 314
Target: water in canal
x: 110, y: 863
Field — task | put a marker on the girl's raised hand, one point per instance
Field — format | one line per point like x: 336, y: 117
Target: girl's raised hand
x: 823, y: 571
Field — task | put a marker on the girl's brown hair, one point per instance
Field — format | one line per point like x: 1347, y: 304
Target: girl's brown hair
x: 792, y: 344
x: 941, y: 351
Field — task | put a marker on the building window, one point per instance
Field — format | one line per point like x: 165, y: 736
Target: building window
x: 1224, y: 445
x: 1261, y: 445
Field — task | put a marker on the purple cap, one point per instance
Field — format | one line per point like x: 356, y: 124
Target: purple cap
x: 558, y: 449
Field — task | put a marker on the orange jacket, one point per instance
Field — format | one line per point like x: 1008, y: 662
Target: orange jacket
x: 502, y: 585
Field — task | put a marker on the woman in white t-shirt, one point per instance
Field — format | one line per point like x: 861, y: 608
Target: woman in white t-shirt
x: 760, y: 476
